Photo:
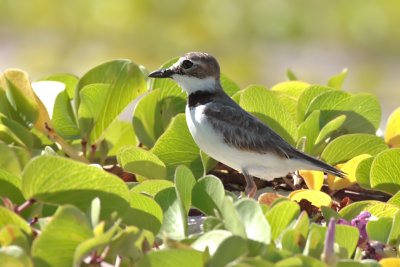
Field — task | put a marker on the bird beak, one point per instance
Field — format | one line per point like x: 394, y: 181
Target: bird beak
x: 165, y: 73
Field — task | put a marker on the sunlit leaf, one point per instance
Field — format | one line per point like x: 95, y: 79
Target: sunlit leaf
x: 392, y: 133
x: 46, y: 249
x: 266, y: 106
x: 9, y: 217
x: 80, y: 184
x: 184, y: 183
x: 255, y: 224
x: 208, y: 194
x: 172, y: 258
x: 339, y: 149
x: 175, y: 219
x: 313, y: 179
x: 139, y: 161
x: 350, y: 168
x: 155, y: 110
x: 281, y: 215
x: 337, y: 80
x: 112, y: 86
x: 317, y: 198
x: 376, y: 208
x: 10, y: 186
x: 152, y: 187
x: 14, y: 256
x: 385, y: 171
x: 177, y: 147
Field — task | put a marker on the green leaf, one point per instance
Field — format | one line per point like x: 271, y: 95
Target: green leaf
x: 176, y: 147
x: 211, y: 240
x: 392, y: 132
x: 363, y: 172
x: 310, y: 129
x: 14, y: 256
x: 292, y: 88
x: 255, y: 224
x: 69, y: 80
x: 266, y: 106
x: 152, y: 187
x: 10, y: 161
x: 329, y: 213
x: 347, y: 238
x: 11, y: 234
x: 139, y: 161
x: 230, y: 250
x: 80, y: 184
x: 337, y: 80
x: 348, y: 146
x: 9, y: 217
x: 395, y: 200
x: 385, y: 171
x: 46, y: 248
x: 291, y: 240
x: 330, y: 128
x: 94, y: 243
x: 281, y: 215
x: 230, y: 218
x: 208, y: 194
x: 20, y: 94
x: 307, y: 97
x: 363, y: 112
x: 379, y: 230
x: 229, y: 86
x: 208, y: 162
x: 120, y: 81
x: 376, y: 208
x: 17, y: 133
x: 155, y: 110
x: 144, y: 213
x: 175, y: 220
x: 172, y: 258
x: 119, y: 135
x: 184, y: 183
x: 302, y: 223
x: 394, y: 235
x: 64, y: 120
x: 10, y: 187
x: 315, y: 241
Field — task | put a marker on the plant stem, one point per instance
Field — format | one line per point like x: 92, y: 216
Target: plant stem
x: 24, y: 205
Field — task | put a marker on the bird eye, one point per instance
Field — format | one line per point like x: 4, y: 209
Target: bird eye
x: 187, y: 64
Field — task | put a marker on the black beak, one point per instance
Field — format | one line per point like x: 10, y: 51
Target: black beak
x: 165, y: 73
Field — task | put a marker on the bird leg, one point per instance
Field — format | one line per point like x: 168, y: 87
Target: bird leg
x: 251, y: 187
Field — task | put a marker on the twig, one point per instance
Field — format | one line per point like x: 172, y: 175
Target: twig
x: 24, y: 205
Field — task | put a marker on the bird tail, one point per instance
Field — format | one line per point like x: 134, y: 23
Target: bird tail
x: 321, y: 165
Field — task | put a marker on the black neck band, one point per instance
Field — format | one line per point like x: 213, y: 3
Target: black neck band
x: 200, y: 98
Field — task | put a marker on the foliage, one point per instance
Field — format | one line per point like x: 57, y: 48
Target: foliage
x: 62, y: 205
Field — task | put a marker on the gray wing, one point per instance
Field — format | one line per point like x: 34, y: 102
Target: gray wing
x: 246, y: 132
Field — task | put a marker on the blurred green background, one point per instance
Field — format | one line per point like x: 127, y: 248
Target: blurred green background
x: 256, y: 41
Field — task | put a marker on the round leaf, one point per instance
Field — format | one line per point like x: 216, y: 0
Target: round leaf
x: 317, y: 198
x: 80, y: 184
x: 177, y: 147
x: 46, y: 249
x: 265, y: 105
x: 139, y: 161
x: 348, y: 146
x: 385, y: 171
x: 392, y: 133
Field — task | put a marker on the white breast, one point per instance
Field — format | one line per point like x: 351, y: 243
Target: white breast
x: 265, y: 166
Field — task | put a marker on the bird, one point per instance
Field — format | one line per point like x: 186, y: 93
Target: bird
x: 229, y: 134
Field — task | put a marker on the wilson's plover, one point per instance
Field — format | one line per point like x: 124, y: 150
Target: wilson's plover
x: 228, y: 133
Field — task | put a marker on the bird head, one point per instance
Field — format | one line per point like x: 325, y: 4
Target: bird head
x: 193, y: 72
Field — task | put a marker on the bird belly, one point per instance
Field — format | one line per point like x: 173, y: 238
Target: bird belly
x: 265, y: 166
